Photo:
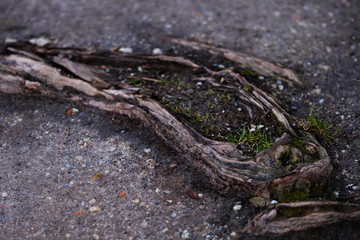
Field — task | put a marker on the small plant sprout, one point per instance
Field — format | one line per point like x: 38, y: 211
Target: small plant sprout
x: 318, y: 126
x: 255, y: 140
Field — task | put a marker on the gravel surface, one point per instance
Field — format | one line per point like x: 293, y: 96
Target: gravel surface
x: 49, y: 160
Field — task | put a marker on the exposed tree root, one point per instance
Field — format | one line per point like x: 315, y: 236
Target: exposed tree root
x: 286, y: 217
x: 28, y: 70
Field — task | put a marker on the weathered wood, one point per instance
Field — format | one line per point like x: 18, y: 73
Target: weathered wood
x: 286, y: 217
x: 258, y: 65
x: 29, y: 71
x: 226, y: 166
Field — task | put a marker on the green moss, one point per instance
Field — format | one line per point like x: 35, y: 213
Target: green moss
x: 294, y: 212
x: 302, y: 190
x: 247, y: 73
x: 284, y: 158
x: 295, y: 196
x: 248, y: 88
x: 298, y: 143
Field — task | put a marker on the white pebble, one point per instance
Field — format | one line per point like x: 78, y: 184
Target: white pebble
x: 237, y: 207
x: 157, y: 51
x: 126, y: 50
x: 78, y: 158
x: 200, y: 195
x: 233, y: 234
x: 198, y: 83
x: 185, y: 234
x: 96, y: 237
x: 274, y: 202
x: 4, y: 194
x: 281, y: 87
x: 10, y: 40
x: 321, y: 101
x: 41, y: 41
x: 92, y: 201
x: 147, y: 150
x: 95, y: 209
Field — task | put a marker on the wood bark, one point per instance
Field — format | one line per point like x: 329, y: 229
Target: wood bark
x: 34, y: 71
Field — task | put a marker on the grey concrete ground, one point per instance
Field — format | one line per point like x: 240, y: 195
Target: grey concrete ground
x: 49, y: 160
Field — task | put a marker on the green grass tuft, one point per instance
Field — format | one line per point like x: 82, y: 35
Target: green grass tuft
x: 256, y: 141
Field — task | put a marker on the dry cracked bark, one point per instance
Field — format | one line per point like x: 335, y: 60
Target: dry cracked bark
x: 34, y: 71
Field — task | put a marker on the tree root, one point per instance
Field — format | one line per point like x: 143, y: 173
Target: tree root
x: 78, y: 76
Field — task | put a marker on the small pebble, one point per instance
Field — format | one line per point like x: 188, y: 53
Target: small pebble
x: 323, y: 67
x: 41, y: 41
x: 122, y: 194
x: 4, y: 194
x: 198, y: 83
x: 147, y: 150
x: 126, y: 50
x: 261, y: 78
x: 233, y: 234
x: 174, y: 215
x: 200, y: 195
x: 96, y: 237
x: 10, y: 40
x: 281, y: 87
x: 92, y: 201
x: 157, y: 51
x: 185, y: 234
x: 78, y: 158
x: 95, y: 209
x: 353, y: 128
x: 321, y: 101
x: 237, y: 207
x: 274, y: 202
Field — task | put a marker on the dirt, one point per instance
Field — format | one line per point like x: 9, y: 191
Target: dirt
x: 49, y: 188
